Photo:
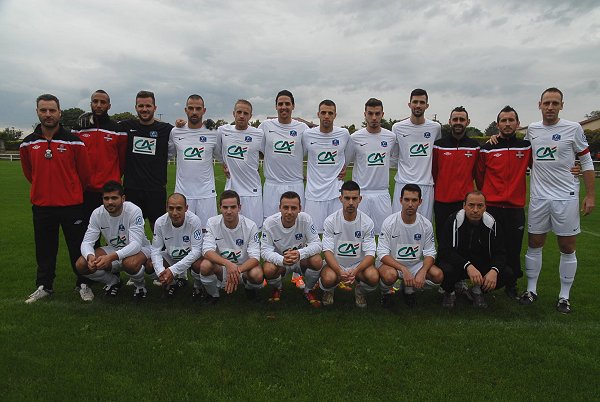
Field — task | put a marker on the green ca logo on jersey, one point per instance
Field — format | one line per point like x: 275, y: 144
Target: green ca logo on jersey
x: 419, y: 150
x: 408, y: 252
x: 193, y: 153
x: 284, y: 147
x: 179, y: 253
x: 144, y: 146
x: 348, y: 249
x: 376, y: 159
x: 236, y: 151
x: 118, y: 242
x: 326, y: 158
x: 233, y: 256
x: 546, y: 153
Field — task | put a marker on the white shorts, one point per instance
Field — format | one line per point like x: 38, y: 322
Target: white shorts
x: 319, y: 210
x: 170, y: 261
x: 426, y: 208
x: 204, y: 208
x: 413, y: 269
x: 272, y: 193
x: 377, y: 207
x: 560, y: 216
x: 116, y: 265
x: 252, y: 208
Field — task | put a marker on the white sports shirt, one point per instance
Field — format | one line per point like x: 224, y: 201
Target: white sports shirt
x: 415, y: 143
x: 240, y: 154
x: 276, y: 239
x: 183, y: 244
x: 326, y: 159
x: 349, y: 242
x: 371, y: 154
x: 124, y: 232
x: 236, y: 245
x: 554, y: 149
x: 283, y: 152
x: 406, y: 243
x: 196, y: 149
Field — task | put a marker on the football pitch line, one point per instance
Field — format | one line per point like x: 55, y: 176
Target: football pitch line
x: 591, y: 233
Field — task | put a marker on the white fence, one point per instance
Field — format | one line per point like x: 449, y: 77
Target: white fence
x: 10, y: 157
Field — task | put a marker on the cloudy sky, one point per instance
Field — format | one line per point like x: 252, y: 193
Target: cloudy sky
x: 480, y: 54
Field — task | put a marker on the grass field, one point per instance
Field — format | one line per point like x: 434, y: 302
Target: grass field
x: 63, y: 349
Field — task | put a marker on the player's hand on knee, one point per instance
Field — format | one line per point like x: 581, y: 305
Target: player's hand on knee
x: 474, y: 275
x: 490, y: 280
x: 166, y: 277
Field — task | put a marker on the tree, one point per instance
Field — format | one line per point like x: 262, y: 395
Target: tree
x: 446, y: 130
x: 10, y: 134
x: 473, y: 132
x: 123, y: 116
x: 351, y: 128
x: 70, y: 117
x: 254, y: 123
x: 593, y: 114
x: 492, y: 129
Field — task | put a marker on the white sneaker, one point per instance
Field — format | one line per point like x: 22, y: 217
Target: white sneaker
x: 360, y: 300
x: 86, y: 293
x: 327, y: 298
x: 40, y: 293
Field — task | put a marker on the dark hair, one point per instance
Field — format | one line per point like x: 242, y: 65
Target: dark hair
x: 410, y: 187
x: 111, y: 186
x: 459, y: 109
x: 475, y: 192
x: 285, y: 92
x: 194, y: 97
x: 289, y: 195
x: 507, y: 109
x: 327, y: 102
x: 350, y: 186
x: 101, y: 91
x: 229, y: 194
x: 552, y: 89
x: 419, y: 92
x: 146, y: 94
x: 174, y: 195
x: 47, y: 97
x: 243, y: 102
x: 372, y: 102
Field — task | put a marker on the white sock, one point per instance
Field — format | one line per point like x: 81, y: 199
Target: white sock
x: 197, y: 279
x: 533, y: 267
x: 250, y: 285
x: 211, y: 284
x: 275, y: 283
x: 104, y: 277
x: 323, y: 288
x: 409, y: 290
x: 138, y: 278
x: 362, y: 288
x: 567, y: 268
x: 310, y: 279
x: 385, y: 289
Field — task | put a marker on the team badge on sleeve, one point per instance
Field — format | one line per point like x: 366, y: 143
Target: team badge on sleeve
x: 138, y: 221
x: 256, y: 237
x: 197, y: 235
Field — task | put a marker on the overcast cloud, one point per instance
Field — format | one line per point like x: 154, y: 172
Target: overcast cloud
x: 480, y: 54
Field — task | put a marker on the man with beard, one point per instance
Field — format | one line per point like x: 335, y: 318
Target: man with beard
x: 196, y: 148
x: 145, y: 177
x: 454, y: 159
x: 415, y: 137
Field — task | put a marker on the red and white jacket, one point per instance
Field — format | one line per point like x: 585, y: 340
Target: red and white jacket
x: 454, y: 167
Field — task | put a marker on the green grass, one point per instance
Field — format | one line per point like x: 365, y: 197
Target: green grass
x: 63, y: 349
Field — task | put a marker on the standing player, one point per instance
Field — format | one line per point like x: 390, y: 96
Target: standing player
x: 241, y: 145
x: 554, y: 198
x: 406, y: 249
x: 231, y: 251
x: 326, y: 164
x: 349, y: 248
x: 454, y: 160
x: 196, y: 148
x: 121, y: 224
x: 416, y: 136
x: 146, y: 162
x: 290, y: 243
x: 56, y: 164
x: 371, y: 149
x: 177, y: 246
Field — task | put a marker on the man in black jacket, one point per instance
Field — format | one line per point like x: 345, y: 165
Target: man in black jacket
x: 472, y: 247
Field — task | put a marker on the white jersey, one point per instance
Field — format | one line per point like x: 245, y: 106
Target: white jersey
x: 183, y: 244
x: 240, y: 154
x: 406, y: 243
x: 350, y: 242
x: 554, y: 149
x: 276, y: 239
x: 196, y: 149
x: 284, y: 157
x: 326, y: 159
x: 124, y: 232
x: 371, y: 154
x: 236, y: 245
x: 415, y: 143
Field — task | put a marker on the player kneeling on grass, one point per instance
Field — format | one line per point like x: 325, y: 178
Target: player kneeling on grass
x: 231, y: 251
x: 290, y: 243
x: 406, y: 249
x: 121, y: 224
x: 349, y: 248
x: 472, y: 247
x: 177, y: 246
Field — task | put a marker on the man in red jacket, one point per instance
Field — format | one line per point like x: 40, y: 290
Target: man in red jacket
x: 56, y: 164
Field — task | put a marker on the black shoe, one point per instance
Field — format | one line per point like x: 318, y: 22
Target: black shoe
x: 478, y: 300
x: 449, y: 300
x: 210, y: 300
x: 527, y: 298
x: 178, y: 283
x: 563, y: 306
x: 410, y: 299
x: 511, y: 292
x: 112, y: 290
x: 198, y: 294
x: 140, y: 293
x: 387, y: 301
